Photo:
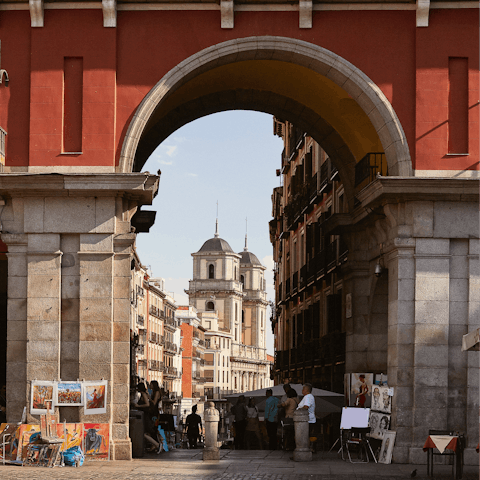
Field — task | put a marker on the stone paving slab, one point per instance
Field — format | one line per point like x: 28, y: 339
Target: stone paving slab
x: 234, y: 465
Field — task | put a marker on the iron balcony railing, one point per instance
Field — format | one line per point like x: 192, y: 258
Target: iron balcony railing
x: 140, y: 320
x: 369, y: 166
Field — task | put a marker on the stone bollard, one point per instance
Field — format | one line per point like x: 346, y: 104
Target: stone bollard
x: 302, y: 452
x: 211, y: 416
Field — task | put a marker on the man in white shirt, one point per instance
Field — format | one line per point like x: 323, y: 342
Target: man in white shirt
x: 308, y: 403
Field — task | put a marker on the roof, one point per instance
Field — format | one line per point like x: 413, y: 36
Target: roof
x: 249, y: 258
x: 216, y: 244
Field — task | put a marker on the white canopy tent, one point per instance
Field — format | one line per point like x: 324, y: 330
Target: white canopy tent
x: 326, y: 402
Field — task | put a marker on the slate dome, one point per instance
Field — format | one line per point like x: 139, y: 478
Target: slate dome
x: 249, y: 258
x: 216, y: 244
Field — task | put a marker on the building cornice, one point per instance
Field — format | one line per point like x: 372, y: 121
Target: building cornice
x: 139, y: 186
x: 266, y: 7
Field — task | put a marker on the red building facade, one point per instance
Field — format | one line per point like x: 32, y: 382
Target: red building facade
x: 94, y: 88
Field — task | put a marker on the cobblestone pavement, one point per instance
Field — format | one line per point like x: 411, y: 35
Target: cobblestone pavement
x: 234, y: 465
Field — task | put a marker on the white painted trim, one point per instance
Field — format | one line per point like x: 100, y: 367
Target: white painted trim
x: 74, y: 169
x: 447, y: 173
x: 242, y: 8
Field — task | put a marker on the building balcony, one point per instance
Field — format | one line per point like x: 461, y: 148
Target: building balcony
x: 170, y: 323
x: 171, y: 347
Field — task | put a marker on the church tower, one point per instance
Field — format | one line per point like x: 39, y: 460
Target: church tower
x: 216, y: 284
x: 254, y: 305
x: 232, y: 286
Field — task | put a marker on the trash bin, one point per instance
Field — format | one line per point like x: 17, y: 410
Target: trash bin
x: 136, y: 431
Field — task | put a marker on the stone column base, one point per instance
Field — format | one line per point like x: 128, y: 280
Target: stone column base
x: 120, y: 449
x: 302, y: 455
x: 211, y: 453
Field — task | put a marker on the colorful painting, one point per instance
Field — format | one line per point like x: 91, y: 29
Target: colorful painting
x: 379, y: 423
x: 381, y: 379
x: 71, y: 434
x: 381, y: 399
x: 97, y: 440
x: 25, y: 432
x: 361, y: 390
x: 7, y: 433
x: 68, y: 394
x: 387, y: 447
x: 42, y: 397
x: 95, y: 397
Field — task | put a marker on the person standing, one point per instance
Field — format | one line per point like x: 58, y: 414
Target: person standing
x: 253, y: 426
x: 308, y: 403
x: 240, y: 412
x: 271, y: 411
x: 194, y: 425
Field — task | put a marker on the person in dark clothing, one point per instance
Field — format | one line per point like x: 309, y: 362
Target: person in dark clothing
x: 240, y: 412
x: 194, y: 425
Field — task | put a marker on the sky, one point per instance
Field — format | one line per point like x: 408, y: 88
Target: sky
x: 229, y: 157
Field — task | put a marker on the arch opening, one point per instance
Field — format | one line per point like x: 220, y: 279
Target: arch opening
x: 313, y: 88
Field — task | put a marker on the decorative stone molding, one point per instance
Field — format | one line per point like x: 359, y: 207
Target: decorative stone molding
x: 306, y: 12
x: 36, y: 12
x: 226, y: 13
x: 109, y: 8
x: 423, y: 10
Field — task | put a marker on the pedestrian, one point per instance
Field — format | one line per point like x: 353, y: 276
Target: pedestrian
x: 271, y: 411
x: 194, y: 426
x: 308, y: 403
x: 253, y: 426
x: 240, y: 412
x: 290, y: 405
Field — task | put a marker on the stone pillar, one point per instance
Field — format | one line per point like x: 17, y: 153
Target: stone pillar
x: 17, y: 391
x: 401, y: 334
x: 471, y: 456
x: 211, y: 417
x: 43, y: 307
x: 302, y: 451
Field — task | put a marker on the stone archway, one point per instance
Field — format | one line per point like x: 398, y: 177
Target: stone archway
x: 342, y: 73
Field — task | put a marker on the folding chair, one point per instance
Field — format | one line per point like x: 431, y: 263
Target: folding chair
x: 356, y: 439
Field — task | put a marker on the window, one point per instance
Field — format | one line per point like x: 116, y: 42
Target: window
x: 211, y: 271
x: 242, y: 280
x: 235, y: 274
x: 210, y: 306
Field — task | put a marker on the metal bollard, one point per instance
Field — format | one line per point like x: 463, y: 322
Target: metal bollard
x: 212, y: 417
x: 302, y: 452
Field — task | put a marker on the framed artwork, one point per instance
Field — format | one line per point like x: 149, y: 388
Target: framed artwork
x: 68, y: 394
x: 96, y: 439
x: 361, y: 390
x: 25, y: 432
x: 42, y: 397
x: 387, y: 447
x: 71, y: 434
x: 379, y: 423
x: 95, y: 397
x: 381, y: 379
x: 381, y: 399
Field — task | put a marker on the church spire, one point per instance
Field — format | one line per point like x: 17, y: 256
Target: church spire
x: 246, y: 233
x: 216, y: 223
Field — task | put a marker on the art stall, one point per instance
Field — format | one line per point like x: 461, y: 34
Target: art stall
x: 368, y: 403
x: 52, y: 443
